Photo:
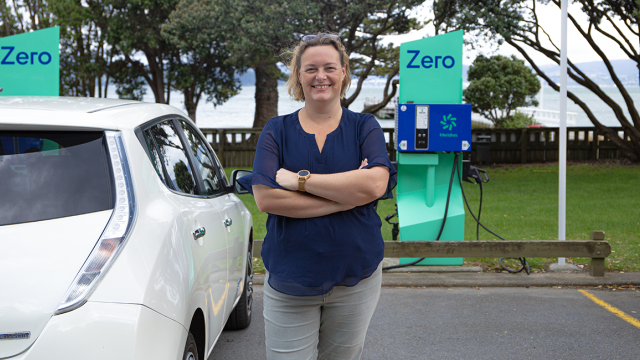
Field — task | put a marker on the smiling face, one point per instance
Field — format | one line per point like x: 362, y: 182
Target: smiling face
x: 320, y: 74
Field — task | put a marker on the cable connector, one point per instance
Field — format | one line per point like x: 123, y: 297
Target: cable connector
x: 473, y: 172
x: 396, y: 230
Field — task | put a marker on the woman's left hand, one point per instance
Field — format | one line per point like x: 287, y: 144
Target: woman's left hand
x: 287, y: 179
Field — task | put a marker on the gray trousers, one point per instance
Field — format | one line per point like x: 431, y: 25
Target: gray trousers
x: 330, y: 326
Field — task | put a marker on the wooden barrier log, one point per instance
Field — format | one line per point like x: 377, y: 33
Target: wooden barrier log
x: 495, y: 249
x: 597, y: 250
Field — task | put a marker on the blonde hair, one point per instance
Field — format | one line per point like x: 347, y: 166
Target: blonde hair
x: 293, y: 84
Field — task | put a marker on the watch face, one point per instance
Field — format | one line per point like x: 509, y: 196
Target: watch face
x: 303, y: 173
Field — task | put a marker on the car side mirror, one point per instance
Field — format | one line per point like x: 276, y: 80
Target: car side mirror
x: 235, y: 175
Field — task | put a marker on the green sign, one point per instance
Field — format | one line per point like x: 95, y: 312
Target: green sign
x: 431, y: 70
x: 30, y: 63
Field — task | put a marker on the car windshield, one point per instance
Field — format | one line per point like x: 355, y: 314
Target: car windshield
x: 52, y: 174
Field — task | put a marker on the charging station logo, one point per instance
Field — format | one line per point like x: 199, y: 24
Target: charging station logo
x: 448, y: 122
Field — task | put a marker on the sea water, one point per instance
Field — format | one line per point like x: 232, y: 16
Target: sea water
x: 238, y: 112
x: 602, y: 112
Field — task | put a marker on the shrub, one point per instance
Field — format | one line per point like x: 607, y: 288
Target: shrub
x: 517, y: 120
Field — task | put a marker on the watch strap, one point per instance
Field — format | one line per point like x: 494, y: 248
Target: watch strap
x: 301, y: 181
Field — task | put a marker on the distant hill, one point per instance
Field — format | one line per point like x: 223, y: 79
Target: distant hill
x: 249, y: 77
x: 626, y: 71
x: 596, y: 70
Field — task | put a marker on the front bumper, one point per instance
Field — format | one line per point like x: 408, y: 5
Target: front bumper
x: 109, y: 331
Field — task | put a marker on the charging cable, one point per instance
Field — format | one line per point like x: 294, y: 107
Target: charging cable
x: 475, y: 174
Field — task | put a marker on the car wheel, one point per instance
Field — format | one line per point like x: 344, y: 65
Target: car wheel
x: 190, y: 349
x: 240, y: 318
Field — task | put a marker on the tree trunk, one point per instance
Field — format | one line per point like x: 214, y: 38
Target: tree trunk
x: 190, y: 104
x: 155, y: 78
x: 191, y: 110
x: 266, y: 92
x: 386, y: 97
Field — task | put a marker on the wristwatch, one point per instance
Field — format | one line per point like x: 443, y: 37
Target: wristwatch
x: 303, y: 175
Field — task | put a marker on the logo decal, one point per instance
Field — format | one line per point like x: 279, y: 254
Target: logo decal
x: 449, y: 122
x: 428, y: 62
x: 16, y: 336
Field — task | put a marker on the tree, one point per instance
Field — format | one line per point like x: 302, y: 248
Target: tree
x: 516, y: 22
x: 265, y: 28
x: 498, y: 85
x: 262, y: 30
x: 9, y: 19
x: 23, y: 16
x: 182, y: 44
x: 126, y: 77
x: 199, y: 61
x: 135, y: 28
x: 85, y: 57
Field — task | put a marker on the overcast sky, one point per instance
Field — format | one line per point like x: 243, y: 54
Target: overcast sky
x: 549, y: 16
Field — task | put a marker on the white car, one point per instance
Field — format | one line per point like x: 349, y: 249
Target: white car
x: 120, y: 235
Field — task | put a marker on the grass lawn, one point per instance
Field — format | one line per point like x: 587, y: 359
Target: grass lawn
x: 521, y: 203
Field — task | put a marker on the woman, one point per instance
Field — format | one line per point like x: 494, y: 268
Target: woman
x: 318, y: 172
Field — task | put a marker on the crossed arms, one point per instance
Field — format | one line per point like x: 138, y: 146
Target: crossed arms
x: 325, y: 193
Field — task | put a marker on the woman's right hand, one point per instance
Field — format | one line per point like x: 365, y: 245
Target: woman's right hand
x: 364, y: 163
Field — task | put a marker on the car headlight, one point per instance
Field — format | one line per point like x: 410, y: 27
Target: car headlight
x: 115, y: 233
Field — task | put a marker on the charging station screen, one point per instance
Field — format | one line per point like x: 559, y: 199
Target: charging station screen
x: 422, y: 127
x: 422, y: 117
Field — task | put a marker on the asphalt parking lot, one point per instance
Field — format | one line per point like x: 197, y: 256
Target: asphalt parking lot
x: 482, y: 323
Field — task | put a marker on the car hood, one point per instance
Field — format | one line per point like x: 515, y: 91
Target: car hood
x: 38, y: 262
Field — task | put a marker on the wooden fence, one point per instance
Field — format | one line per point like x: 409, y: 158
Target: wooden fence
x: 235, y: 147
x: 508, y: 146
x: 531, y: 145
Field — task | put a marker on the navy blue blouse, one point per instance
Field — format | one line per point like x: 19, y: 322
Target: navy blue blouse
x: 307, y: 257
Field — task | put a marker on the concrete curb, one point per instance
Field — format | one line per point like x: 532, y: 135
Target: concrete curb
x: 498, y: 279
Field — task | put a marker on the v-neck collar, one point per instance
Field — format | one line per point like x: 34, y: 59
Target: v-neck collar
x: 313, y: 136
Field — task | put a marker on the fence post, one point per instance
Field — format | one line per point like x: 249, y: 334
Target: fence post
x: 524, y: 140
x: 594, y: 145
x: 596, y: 268
x: 223, y: 140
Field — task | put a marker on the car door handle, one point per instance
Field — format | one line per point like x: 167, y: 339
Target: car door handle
x: 228, y: 222
x: 198, y: 233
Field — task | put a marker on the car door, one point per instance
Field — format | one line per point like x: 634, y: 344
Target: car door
x: 215, y: 189
x: 234, y: 210
x: 202, y: 230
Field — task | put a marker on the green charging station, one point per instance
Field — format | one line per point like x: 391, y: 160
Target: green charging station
x: 430, y: 73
